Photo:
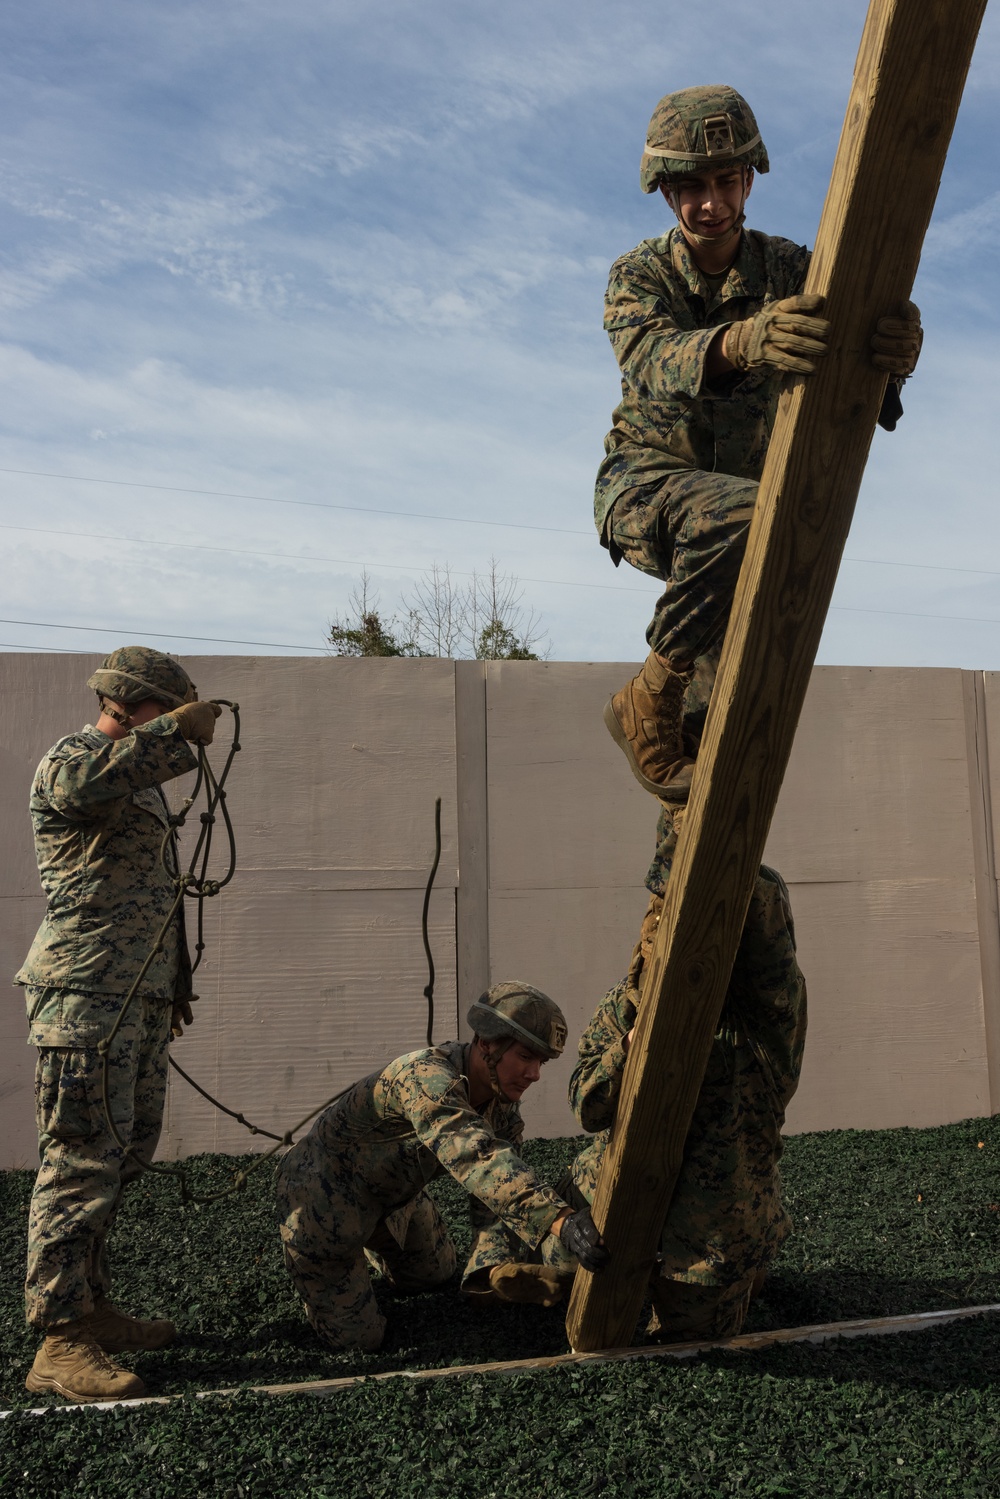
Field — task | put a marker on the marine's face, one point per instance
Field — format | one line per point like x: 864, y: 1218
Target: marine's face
x: 136, y: 713
x: 517, y: 1069
x: 709, y: 203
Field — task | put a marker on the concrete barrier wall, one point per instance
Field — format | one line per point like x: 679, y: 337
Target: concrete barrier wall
x: 314, y: 968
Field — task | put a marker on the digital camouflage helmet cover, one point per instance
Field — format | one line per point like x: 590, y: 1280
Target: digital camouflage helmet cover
x: 519, y: 1012
x: 697, y: 129
x: 136, y: 672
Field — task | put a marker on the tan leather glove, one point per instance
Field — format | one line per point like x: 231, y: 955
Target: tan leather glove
x: 643, y: 949
x: 182, y: 1012
x: 196, y: 721
x: 535, y: 1285
x: 787, y: 335
x: 896, y: 342
x: 650, y: 923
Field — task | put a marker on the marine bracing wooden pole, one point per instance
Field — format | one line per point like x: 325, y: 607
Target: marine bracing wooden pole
x: 908, y: 81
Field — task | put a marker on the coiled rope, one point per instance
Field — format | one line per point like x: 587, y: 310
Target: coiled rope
x: 195, y: 884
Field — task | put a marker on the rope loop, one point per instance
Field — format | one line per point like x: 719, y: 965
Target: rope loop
x: 194, y: 883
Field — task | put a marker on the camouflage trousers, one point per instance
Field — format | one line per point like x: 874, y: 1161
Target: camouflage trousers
x: 691, y: 531
x: 334, y: 1230
x: 682, y: 1311
x: 82, y: 1173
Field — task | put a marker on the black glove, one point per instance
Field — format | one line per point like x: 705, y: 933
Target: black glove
x: 579, y: 1234
x: 892, y: 407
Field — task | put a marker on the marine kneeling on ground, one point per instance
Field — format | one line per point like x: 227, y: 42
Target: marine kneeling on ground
x: 351, y: 1193
x: 726, y: 1220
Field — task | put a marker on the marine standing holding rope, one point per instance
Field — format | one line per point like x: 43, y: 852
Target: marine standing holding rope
x: 100, y: 821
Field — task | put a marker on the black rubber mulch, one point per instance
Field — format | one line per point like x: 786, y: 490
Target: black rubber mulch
x: 886, y: 1222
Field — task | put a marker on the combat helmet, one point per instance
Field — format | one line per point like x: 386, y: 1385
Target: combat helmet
x: 696, y: 129
x: 135, y: 672
x: 518, y: 1012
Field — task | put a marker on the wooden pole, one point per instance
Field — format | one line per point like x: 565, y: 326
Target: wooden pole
x: 908, y: 81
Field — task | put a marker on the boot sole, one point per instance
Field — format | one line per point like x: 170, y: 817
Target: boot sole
x: 621, y: 739
x: 40, y: 1384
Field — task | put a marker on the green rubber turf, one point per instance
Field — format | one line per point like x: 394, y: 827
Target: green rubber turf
x: 886, y: 1222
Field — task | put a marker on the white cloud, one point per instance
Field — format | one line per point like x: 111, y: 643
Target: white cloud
x: 316, y: 253
x: 965, y: 232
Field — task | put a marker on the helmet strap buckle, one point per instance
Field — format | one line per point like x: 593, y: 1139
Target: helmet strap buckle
x: 123, y: 718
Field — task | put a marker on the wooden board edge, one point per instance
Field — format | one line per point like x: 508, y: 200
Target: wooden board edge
x: 820, y: 1332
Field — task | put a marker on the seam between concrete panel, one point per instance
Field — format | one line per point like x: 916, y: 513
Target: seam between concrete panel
x: 984, y: 869
x: 472, y: 941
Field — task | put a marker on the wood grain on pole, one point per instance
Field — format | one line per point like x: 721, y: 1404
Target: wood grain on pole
x: 908, y: 81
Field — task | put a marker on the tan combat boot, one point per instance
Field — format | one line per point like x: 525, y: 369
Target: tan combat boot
x: 534, y: 1285
x: 70, y: 1363
x: 645, y: 718
x: 115, y: 1332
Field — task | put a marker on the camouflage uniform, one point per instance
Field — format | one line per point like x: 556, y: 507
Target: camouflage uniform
x: 726, y: 1221
x: 99, y: 821
x: 354, y: 1187
x: 676, y: 491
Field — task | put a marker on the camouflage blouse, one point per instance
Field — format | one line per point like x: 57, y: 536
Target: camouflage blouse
x: 99, y: 820
x: 661, y: 315
x: 398, y: 1129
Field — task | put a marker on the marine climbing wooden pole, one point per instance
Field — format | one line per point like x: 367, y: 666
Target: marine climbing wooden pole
x: 908, y: 81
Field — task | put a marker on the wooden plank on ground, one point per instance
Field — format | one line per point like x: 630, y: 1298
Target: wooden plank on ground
x: 908, y: 81
x: 754, y: 1342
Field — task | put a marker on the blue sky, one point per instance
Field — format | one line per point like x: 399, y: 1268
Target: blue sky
x: 337, y: 256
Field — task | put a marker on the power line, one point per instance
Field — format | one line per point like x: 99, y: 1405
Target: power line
x: 266, y: 499
x: 42, y: 624
x: 10, y: 645
x: 930, y: 567
x: 193, y: 546
x: 458, y: 520
x: 967, y: 619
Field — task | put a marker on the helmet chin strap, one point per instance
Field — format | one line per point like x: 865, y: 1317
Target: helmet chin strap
x: 714, y: 240
x: 110, y: 712
x: 492, y: 1056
